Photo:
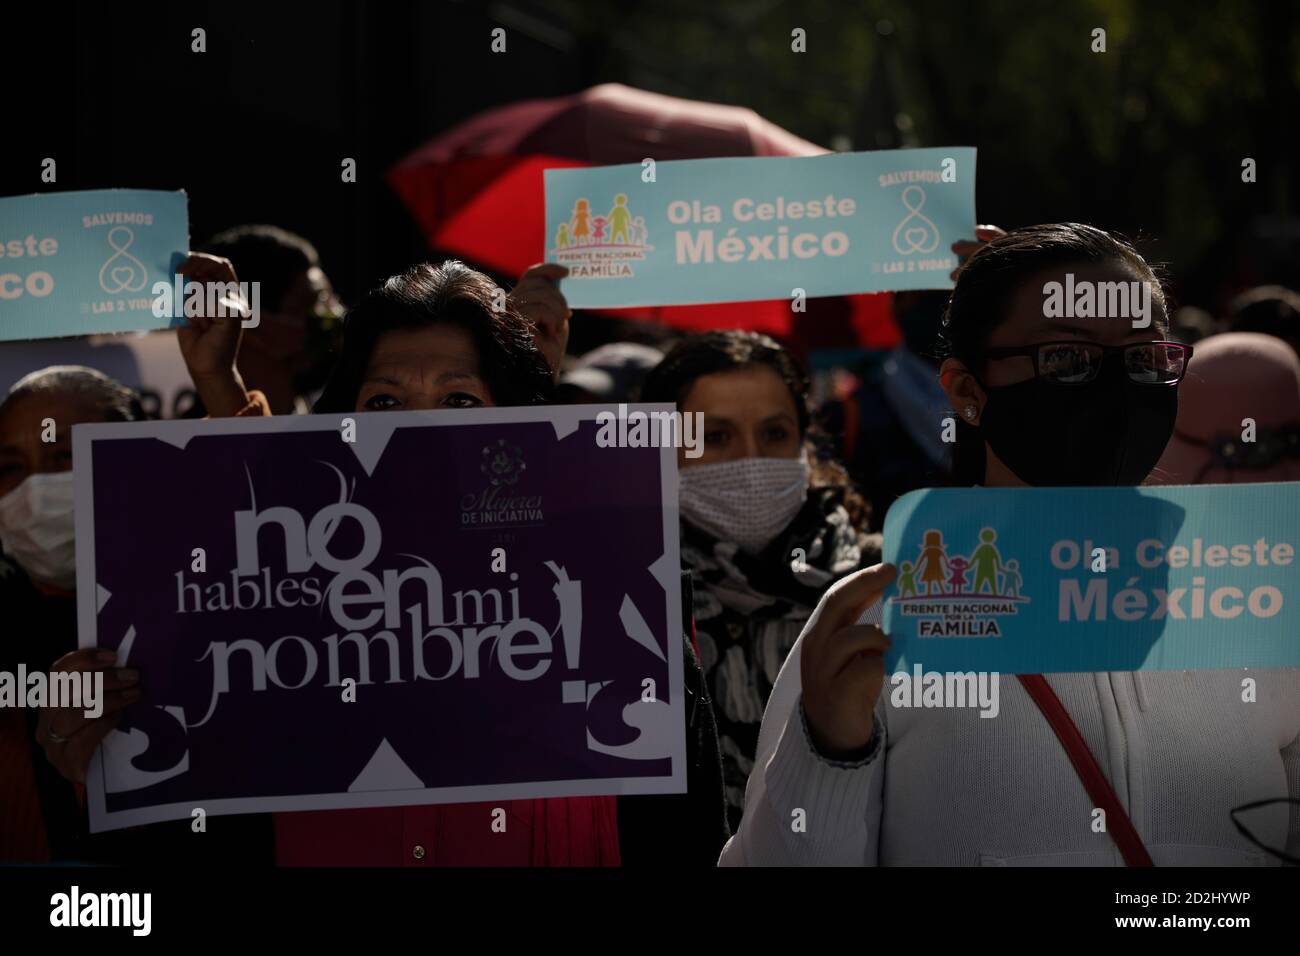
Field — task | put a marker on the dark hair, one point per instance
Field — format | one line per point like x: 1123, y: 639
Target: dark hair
x: 118, y: 403
x: 266, y: 254
x: 712, y: 352
x: 1270, y: 309
x: 986, y: 284
x: 515, y: 371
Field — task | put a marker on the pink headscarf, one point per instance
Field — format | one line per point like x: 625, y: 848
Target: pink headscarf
x: 1232, y: 377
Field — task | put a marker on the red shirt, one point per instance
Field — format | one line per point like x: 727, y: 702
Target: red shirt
x: 571, y: 831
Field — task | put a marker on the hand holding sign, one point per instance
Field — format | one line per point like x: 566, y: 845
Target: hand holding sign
x: 67, y: 735
x: 843, y: 664
x: 210, y: 344
x: 540, y: 301
x: 965, y: 248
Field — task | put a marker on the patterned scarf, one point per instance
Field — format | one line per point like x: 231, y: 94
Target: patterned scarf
x: 749, y: 610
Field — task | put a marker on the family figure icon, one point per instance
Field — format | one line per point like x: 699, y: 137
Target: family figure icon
x: 618, y: 227
x: 984, y: 570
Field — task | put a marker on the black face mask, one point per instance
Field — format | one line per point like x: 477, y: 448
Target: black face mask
x: 1110, y: 431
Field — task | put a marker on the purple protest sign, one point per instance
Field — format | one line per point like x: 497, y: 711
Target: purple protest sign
x: 380, y: 609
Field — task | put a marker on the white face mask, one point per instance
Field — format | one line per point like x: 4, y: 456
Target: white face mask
x: 748, y: 501
x: 36, y: 528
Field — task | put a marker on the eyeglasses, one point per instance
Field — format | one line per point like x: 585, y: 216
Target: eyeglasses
x: 1076, y: 363
x: 1271, y: 445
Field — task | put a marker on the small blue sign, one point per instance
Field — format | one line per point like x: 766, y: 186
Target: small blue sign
x: 82, y: 263
x: 1055, y: 580
x: 735, y: 230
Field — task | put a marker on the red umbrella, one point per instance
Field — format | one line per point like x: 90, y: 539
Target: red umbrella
x: 476, y: 191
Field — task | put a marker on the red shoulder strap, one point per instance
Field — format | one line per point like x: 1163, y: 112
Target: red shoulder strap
x: 1118, y: 825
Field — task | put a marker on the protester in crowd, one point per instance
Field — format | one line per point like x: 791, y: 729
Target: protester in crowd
x: 1238, y: 414
x: 889, y: 426
x: 768, y: 522
x: 434, y: 338
x: 1190, y: 324
x: 288, y: 352
x: 892, y: 425
x: 40, y: 816
x: 1270, y: 310
x: 610, y: 373
x: 880, y: 784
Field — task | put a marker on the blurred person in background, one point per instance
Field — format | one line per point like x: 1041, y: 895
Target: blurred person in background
x: 892, y: 424
x: 287, y: 355
x: 1237, y: 376
x: 1190, y: 325
x: 890, y: 428
x: 767, y: 523
x: 609, y: 374
x: 1270, y: 310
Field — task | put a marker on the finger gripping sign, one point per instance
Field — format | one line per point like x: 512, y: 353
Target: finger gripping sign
x: 746, y: 229
x: 1005, y: 579
x: 87, y: 262
x: 371, y: 561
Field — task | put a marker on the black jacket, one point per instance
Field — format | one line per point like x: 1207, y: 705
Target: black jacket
x: 688, y: 828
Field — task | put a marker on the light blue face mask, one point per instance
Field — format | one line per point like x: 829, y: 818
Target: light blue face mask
x: 37, y: 531
x: 748, y: 501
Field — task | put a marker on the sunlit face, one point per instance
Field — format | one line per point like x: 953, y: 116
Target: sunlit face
x: 1026, y: 325
x: 22, y: 452
x: 748, y: 413
x: 433, y: 366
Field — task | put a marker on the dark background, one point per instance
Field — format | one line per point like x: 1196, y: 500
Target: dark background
x: 1147, y: 137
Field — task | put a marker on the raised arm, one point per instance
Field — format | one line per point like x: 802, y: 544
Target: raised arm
x: 210, y: 345
x: 814, y: 796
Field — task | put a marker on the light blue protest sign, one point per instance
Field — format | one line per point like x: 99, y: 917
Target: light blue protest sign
x: 81, y: 263
x: 1053, y: 580
x: 733, y: 230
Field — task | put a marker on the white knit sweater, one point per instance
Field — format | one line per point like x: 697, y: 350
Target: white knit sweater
x: 948, y: 787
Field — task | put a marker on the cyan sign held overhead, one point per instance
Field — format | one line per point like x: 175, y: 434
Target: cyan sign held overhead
x: 733, y: 230
x: 83, y: 263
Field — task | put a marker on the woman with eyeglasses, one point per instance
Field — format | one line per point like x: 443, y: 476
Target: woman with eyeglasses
x: 1245, y: 386
x: 843, y: 777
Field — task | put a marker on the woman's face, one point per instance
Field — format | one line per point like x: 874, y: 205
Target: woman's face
x: 432, y: 366
x: 1026, y: 325
x: 22, y: 451
x: 748, y: 413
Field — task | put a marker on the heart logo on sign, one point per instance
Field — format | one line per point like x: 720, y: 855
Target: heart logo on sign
x: 916, y: 233
x: 122, y: 272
